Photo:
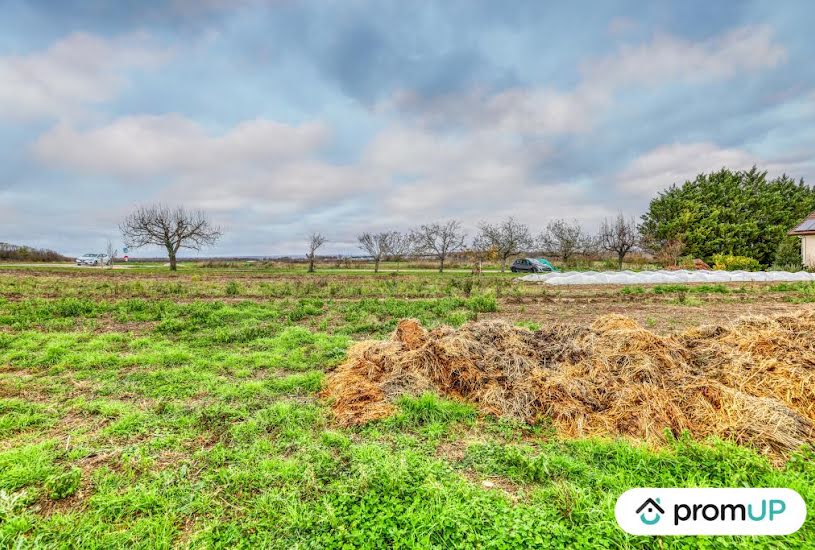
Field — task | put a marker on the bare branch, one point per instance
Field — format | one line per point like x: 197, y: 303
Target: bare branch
x: 509, y: 238
x: 564, y: 239
x: 315, y: 241
x: 377, y: 245
x: 439, y: 240
x: 618, y: 235
x: 172, y: 228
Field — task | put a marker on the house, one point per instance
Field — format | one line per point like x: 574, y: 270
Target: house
x: 806, y: 230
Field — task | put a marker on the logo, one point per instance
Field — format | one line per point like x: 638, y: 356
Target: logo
x: 710, y: 511
x: 650, y: 506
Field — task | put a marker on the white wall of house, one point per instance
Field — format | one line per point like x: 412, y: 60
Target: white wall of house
x: 808, y: 250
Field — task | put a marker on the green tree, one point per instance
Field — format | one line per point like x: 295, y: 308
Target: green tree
x: 739, y: 213
x: 788, y: 254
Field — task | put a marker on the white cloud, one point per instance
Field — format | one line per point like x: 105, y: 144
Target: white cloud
x: 268, y: 179
x: 677, y: 163
x: 669, y: 59
x: 471, y: 176
x: 78, y: 70
x: 474, y: 156
x: 261, y: 166
x: 169, y: 145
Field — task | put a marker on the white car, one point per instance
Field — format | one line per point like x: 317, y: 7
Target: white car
x: 93, y: 259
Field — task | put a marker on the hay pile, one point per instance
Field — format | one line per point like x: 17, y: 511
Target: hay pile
x: 752, y: 382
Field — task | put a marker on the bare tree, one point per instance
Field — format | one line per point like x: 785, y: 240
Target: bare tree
x: 377, y: 245
x: 111, y: 253
x: 507, y: 238
x: 439, y: 240
x: 618, y: 235
x: 401, y: 246
x: 172, y: 228
x: 665, y: 251
x: 315, y: 241
x: 564, y: 239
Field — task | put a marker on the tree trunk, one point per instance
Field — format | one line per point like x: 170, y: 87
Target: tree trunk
x: 503, y: 264
x: 172, y: 262
x: 441, y: 264
x: 311, y: 264
x: 620, y: 258
x: 376, y: 265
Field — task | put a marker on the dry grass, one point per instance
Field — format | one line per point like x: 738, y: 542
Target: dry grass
x: 752, y: 382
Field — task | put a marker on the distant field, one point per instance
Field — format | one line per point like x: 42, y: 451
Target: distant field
x: 142, y: 408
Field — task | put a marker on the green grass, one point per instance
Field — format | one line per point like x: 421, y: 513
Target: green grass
x: 130, y: 418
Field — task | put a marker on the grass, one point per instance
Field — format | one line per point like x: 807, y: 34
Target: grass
x: 144, y: 411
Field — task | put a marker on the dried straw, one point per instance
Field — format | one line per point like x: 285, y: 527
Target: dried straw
x: 752, y: 382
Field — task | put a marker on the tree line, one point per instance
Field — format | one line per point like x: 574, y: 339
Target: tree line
x: 499, y: 242
x: 737, y: 213
x: 13, y: 252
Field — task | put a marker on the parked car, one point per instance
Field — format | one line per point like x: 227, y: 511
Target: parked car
x: 93, y: 259
x: 529, y: 264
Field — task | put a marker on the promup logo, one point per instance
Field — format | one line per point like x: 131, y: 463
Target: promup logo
x: 710, y: 511
x: 650, y: 506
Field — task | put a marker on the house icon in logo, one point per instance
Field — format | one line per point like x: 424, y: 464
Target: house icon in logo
x: 650, y: 506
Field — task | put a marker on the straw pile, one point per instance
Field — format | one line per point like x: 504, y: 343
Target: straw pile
x: 752, y: 382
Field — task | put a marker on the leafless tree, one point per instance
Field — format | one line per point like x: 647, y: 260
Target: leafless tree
x: 507, y: 238
x: 564, y: 239
x: 618, y: 235
x: 401, y: 246
x: 377, y: 245
x: 111, y: 253
x: 315, y: 241
x: 172, y: 228
x: 439, y: 240
x: 665, y: 251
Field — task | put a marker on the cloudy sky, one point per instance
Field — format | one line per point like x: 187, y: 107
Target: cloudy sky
x: 282, y: 117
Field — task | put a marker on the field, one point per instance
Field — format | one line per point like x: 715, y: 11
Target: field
x: 147, y: 409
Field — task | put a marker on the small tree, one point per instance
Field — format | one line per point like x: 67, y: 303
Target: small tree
x: 670, y: 252
x: 401, y: 246
x: 482, y: 251
x: 439, y: 240
x: 788, y: 254
x: 618, y: 235
x: 172, y: 228
x: 377, y: 245
x: 507, y: 238
x: 564, y: 239
x: 315, y: 241
x: 111, y: 253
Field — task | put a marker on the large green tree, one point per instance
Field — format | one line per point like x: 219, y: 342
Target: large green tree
x: 729, y: 212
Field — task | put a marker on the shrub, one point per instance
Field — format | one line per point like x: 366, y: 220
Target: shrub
x: 788, y: 254
x: 726, y: 262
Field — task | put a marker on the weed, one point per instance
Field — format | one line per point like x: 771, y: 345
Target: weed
x: 63, y: 484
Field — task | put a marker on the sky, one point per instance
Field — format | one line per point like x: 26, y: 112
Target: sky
x: 280, y: 118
